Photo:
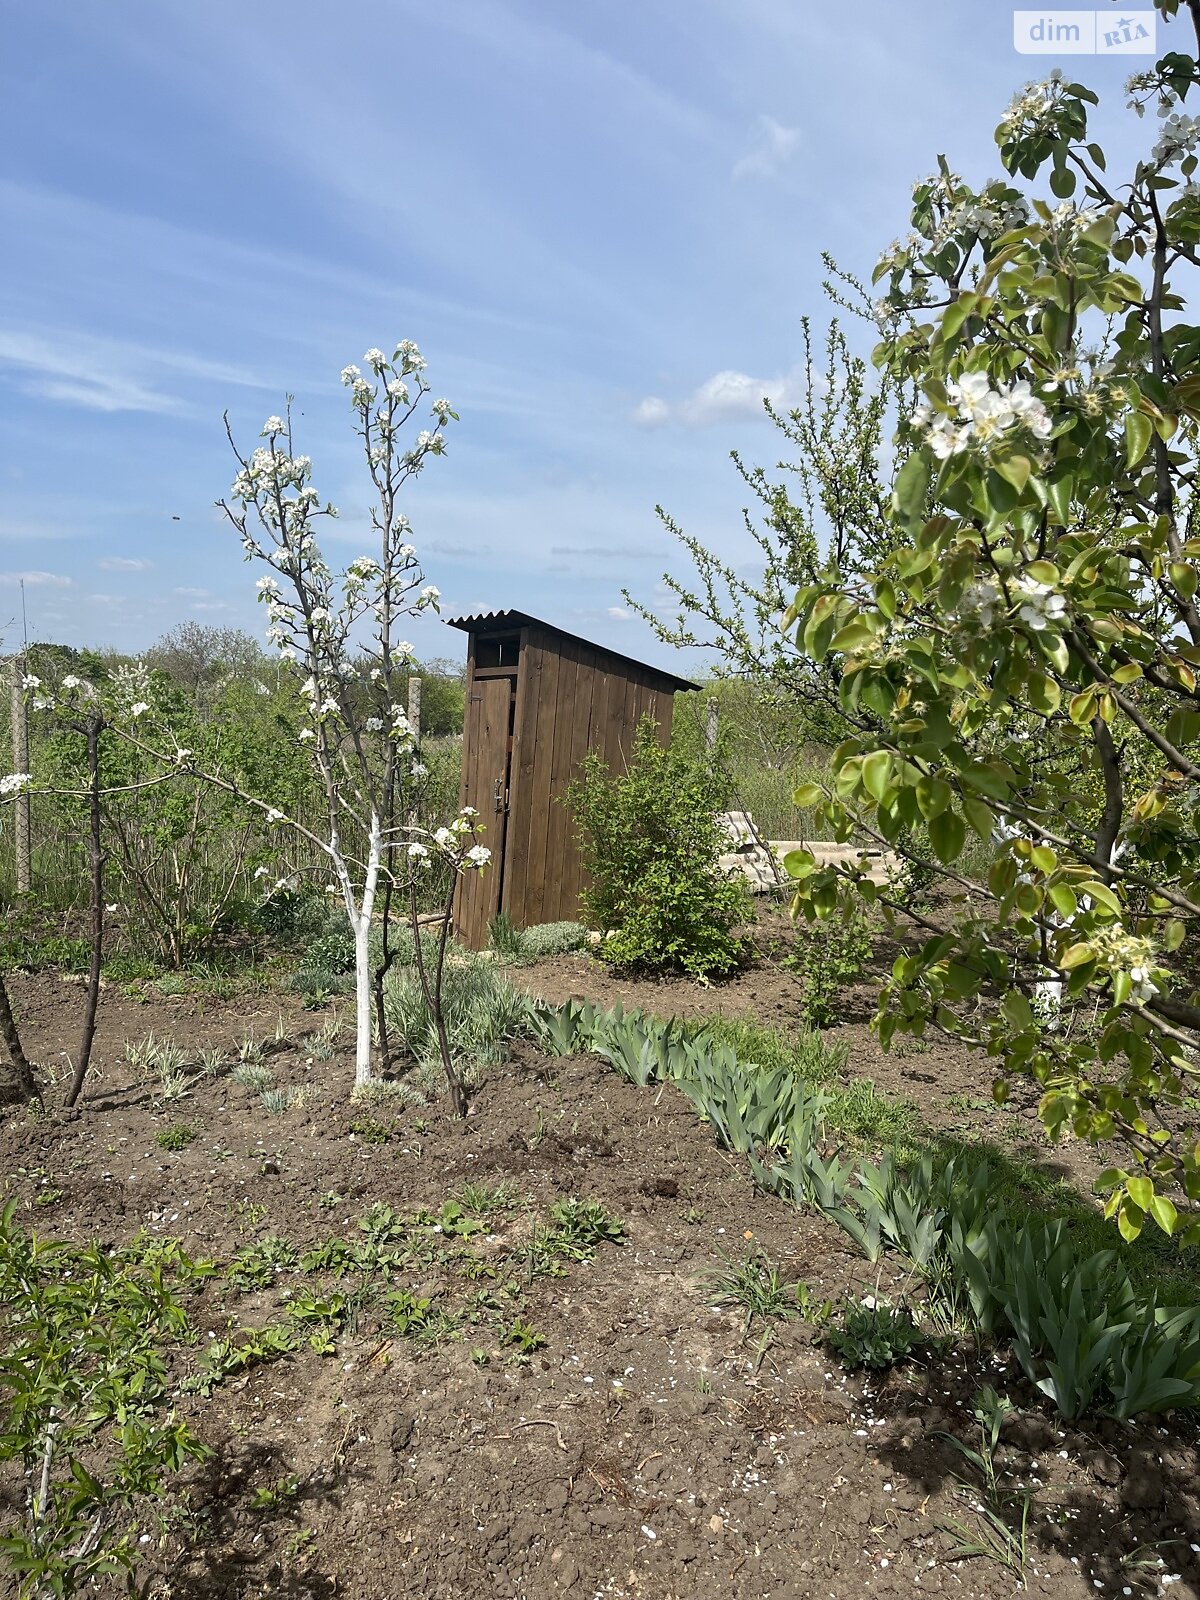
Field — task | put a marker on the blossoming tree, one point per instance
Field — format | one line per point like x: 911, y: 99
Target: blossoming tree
x: 1023, y: 667
x: 340, y: 631
x: 1011, y: 629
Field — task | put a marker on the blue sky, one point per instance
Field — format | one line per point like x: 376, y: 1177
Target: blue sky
x: 601, y: 220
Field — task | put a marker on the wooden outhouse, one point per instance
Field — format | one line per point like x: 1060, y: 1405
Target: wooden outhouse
x: 538, y: 699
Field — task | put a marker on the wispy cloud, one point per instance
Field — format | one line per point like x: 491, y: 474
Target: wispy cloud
x: 124, y: 564
x: 724, y: 397
x: 107, y: 374
x: 36, y: 580
x: 773, y: 147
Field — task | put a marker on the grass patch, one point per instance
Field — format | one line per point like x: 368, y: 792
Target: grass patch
x: 806, y: 1053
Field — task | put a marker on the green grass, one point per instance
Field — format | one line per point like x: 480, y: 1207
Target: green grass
x: 806, y: 1052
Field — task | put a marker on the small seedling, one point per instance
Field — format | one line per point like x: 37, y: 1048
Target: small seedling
x: 252, y: 1075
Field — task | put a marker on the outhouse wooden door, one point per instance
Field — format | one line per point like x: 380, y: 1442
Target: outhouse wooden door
x: 488, y: 752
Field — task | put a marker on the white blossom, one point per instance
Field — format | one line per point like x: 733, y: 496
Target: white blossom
x: 272, y: 425
x: 479, y: 855
x: 274, y: 814
x: 138, y: 709
x: 14, y: 782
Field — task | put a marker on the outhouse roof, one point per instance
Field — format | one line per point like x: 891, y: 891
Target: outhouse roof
x: 503, y: 621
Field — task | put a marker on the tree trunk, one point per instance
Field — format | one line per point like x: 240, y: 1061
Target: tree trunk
x: 362, y: 960
x: 25, y: 1087
x: 95, y: 725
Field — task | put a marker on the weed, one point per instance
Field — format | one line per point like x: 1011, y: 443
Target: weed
x: 758, y: 1286
x: 372, y: 1131
x: 253, y: 1075
x: 420, y: 1318
x: 873, y: 1333
x: 177, y: 1137
x: 478, y: 1199
x: 273, y: 1497
x: 1001, y: 1532
x: 277, y: 1101
x: 258, y: 1264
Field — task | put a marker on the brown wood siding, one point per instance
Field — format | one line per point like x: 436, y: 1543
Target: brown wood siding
x: 570, y: 698
x: 520, y: 797
x: 485, y: 760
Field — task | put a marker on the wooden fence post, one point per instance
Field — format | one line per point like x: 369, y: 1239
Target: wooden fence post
x: 20, y: 763
x: 414, y: 706
x: 711, y: 722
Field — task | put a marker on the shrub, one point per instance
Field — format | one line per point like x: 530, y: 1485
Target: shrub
x: 650, y: 844
x: 826, y: 958
x: 534, y: 944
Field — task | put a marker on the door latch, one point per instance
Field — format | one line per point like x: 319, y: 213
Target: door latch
x: 499, y: 796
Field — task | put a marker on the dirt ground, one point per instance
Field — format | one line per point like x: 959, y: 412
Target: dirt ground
x: 653, y: 1446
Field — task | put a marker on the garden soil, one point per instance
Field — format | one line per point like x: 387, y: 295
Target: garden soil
x: 655, y: 1446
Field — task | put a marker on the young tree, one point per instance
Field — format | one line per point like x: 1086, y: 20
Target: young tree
x: 341, y: 632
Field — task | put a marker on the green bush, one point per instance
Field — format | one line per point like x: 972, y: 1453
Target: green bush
x: 650, y: 844
x: 826, y: 957
x: 534, y: 944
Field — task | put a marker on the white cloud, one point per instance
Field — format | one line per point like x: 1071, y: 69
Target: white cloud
x: 191, y: 593
x: 773, y: 147
x: 721, y: 398
x: 652, y: 412
x: 125, y: 564
x: 36, y: 580
x: 620, y: 613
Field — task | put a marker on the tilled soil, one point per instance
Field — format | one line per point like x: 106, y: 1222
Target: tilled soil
x: 654, y: 1446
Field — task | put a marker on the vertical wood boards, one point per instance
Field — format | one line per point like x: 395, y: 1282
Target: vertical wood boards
x: 485, y: 781
x: 571, y: 697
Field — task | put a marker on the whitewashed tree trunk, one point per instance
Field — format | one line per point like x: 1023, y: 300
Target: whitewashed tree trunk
x: 359, y: 915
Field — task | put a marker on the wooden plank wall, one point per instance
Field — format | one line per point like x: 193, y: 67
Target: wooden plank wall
x: 571, y: 698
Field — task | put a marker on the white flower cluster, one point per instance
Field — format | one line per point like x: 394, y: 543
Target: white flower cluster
x: 984, y: 414
x: 1038, y: 605
x: 1071, y: 219
x: 1032, y: 108
x: 1177, y: 137
x: 14, y: 783
x: 1118, y: 951
x: 268, y: 471
x: 451, y: 842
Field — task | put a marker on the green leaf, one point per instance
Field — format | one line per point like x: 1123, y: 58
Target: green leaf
x: 1015, y: 470
x: 877, y: 773
x: 1164, y: 1213
x: 808, y: 795
x: 1138, y: 433
x: 911, y: 489
x: 1141, y: 1192
x: 947, y: 834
